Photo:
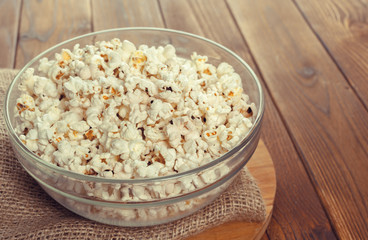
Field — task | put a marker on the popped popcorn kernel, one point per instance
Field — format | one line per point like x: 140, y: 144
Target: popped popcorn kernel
x: 65, y: 56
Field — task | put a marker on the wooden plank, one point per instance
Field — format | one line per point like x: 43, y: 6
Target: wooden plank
x: 265, y: 237
x: 45, y: 23
x: 295, y: 193
x: 327, y: 121
x: 125, y: 13
x: 263, y: 171
x: 342, y: 26
x: 9, y: 18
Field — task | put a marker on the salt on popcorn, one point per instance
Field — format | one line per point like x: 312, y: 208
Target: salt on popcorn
x: 115, y: 110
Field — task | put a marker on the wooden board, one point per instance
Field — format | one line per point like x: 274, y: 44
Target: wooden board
x: 342, y: 27
x: 9, y: 18
x: 262, y: 169
x: 326, y: 120
x: 128, y: 13
x: 46, y: 23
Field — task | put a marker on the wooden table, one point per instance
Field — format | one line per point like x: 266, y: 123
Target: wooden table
x: 312, y: 58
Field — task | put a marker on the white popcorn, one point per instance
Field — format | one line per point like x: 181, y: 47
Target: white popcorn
x: 169, y: 51
x: 31, y: 145
x: 154, y: 134
x: 27, y: 82
x: 136, y: 147
x: 150, y: 86
x: 174, y: 136
x: 64, y: 153
x: 119, y: 146
x: 74, y: 85
x: 113, y: 110
x: 85, y: 73
x: 80, y: 126
x: 61, y: 126
x: 128, y: 47
x: 224, y: 68
x: 71, y: 117
x: 44, y: 85
x: 190, y: 146
x: 123, y: 111
x: 129, y: 132
x: 159, y: 110
x: 51, y: 116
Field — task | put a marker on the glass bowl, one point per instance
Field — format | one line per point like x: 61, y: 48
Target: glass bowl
x: 91, y: 196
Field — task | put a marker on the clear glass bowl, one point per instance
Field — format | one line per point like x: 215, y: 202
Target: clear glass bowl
x: 89, y: 196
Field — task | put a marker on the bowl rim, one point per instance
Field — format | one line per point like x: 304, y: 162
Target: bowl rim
x: 247, y: 138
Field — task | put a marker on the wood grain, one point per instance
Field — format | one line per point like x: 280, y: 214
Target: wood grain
x: 343, y: 28
x: 294, y: 190
x: 263, y: 171
x: 326, y: 120
x: 45, y: 23
x: 9, y: 18
x: 125, y: 13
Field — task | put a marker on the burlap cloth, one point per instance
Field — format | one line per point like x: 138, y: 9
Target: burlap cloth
x: 27, y: 212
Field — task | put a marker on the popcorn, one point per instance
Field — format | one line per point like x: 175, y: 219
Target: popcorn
x: 119, y: 146
x: 159, y: 110
x: 64, y: 153
x: 223, y: 69
x: 154, y: 134
x: 113, y: 110
x: 190, y: 146
x: 136, y: 147
x: 169, y: 51
x: 45, y: 86
x: 85, y: 73
x: 80, y: 126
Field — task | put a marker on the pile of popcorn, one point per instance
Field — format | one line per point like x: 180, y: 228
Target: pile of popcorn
x: 114, y: 110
